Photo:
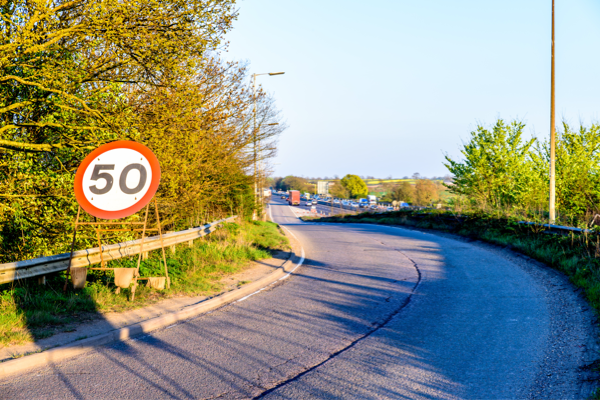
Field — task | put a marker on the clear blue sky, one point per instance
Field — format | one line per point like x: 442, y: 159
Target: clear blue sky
x: 388, y: 87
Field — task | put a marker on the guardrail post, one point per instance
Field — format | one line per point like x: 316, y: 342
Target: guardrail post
x: 191, y: 243
x: 41, y: 280
x: 162, y: 245
x: 72, y: 248
x: 173, y: 248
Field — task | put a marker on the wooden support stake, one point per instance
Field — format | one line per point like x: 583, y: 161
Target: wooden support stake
x: 72, y: 247
x: 162, y: 244
x: 137, y: 270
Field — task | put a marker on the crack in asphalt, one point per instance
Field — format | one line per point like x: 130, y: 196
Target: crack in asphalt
x: 377, y: 326
x: 266, y: 370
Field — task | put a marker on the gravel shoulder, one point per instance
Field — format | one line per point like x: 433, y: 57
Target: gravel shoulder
x: 572, y: 357
x: 570, y: 364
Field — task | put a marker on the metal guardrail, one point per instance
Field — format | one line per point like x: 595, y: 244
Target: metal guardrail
x: 555, y: 228
x: 13, y: 271
x: 566, y: 229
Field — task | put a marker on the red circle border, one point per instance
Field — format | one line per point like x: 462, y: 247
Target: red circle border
x: 120, y: 144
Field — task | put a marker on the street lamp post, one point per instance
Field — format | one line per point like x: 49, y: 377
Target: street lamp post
x: 254, y: 137
x: 552, y: 210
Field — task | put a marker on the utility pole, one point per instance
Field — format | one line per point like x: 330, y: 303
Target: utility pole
x: 255, y: 150
x: 255, y: 139
x: 552, y: 133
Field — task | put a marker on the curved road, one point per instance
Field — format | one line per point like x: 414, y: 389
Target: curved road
x: 374, y: 312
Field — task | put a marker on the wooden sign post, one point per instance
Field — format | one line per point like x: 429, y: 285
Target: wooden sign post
x: 113, y: 182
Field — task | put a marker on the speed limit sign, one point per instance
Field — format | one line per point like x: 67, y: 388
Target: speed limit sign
x: 117, y: 180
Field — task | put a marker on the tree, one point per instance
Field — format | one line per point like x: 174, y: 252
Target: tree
x: 338, y: 191
x: 205, y: 151
x: 425, y: 192
x: 498, y: 169
x: 404, y: 192
x: 291, y: 182
x: 74, y: 75
x: 355, y: 186
x: 277, y: 181
x: 66, y: 65
x: 388, y: 188
x: 577, y: 170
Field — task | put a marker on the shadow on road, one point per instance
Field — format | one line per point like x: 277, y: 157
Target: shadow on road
x: 317, y: 318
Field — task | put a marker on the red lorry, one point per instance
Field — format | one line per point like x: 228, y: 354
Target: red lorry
x: 294, y: 198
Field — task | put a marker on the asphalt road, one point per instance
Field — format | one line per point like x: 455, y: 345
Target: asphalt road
x: 325, y: 209
x: 374, y: 312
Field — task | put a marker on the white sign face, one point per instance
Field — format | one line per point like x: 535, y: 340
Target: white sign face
x: 116, y: 179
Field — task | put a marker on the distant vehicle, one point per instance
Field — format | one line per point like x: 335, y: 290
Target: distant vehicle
x: 307, y: 196
x: 390, y: 209
x: 309, y: 203
x: 345, y: 202
x: 284, y: 196
x: 372, y: 199
x: 353, y: 204
x: 294, y: 199
x: 373, y: 207
x: 363, y: 203
x: 336, y: 201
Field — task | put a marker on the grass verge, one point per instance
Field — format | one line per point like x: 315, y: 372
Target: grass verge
x: 29, y: 311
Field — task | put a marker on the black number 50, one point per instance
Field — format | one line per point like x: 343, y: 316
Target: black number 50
x: 97, y: 174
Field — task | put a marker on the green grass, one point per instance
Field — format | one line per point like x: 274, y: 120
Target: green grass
x: 29, y: 311
x: 576, y: 255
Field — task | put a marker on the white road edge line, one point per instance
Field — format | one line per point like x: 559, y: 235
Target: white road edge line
x: 283, y: 277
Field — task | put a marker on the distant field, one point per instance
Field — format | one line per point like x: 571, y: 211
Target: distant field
x: 381, y: 181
